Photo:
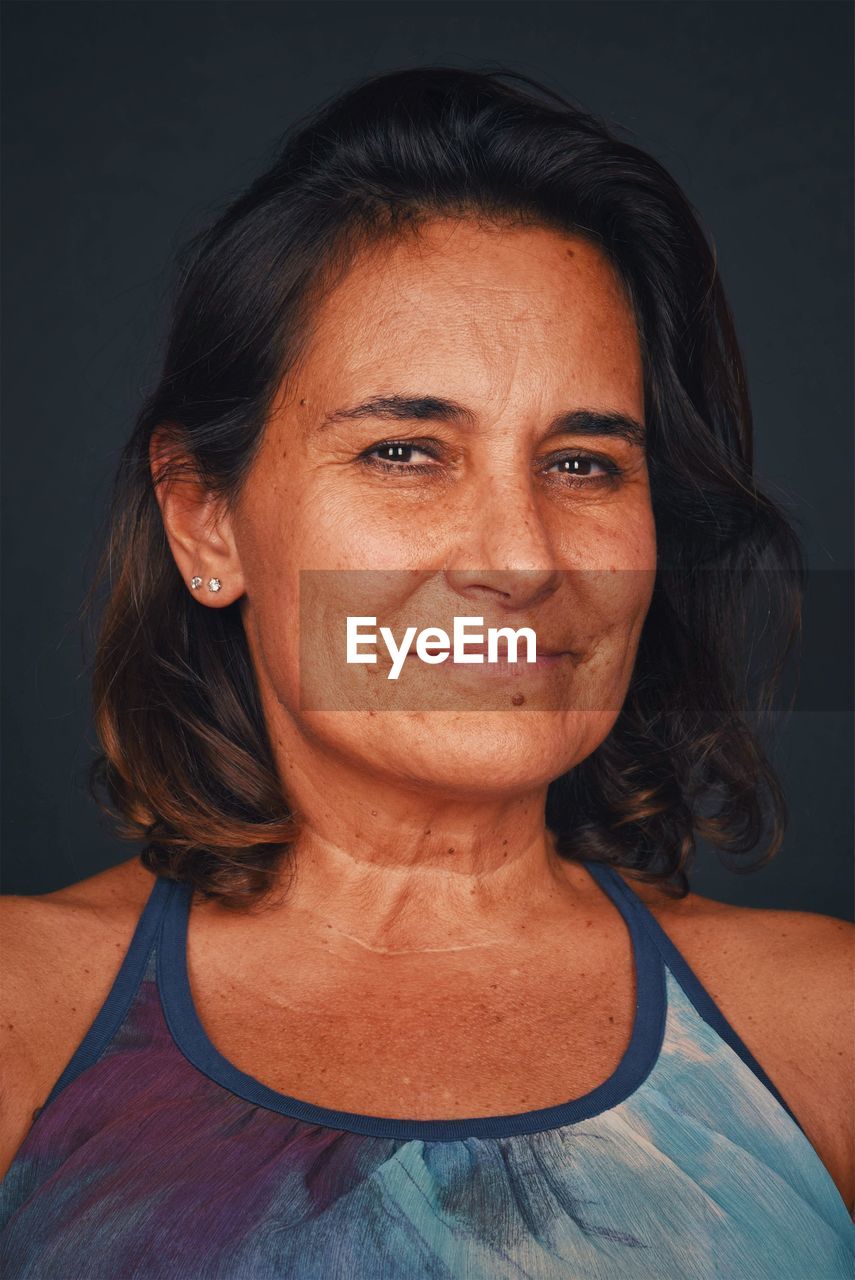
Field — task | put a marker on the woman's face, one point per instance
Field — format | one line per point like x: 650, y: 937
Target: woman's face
x: 468, y: 347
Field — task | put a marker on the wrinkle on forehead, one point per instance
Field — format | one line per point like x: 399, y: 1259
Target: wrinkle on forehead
x: 491, y: 305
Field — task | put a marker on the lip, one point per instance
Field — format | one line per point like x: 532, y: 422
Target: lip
x: 545, y: 661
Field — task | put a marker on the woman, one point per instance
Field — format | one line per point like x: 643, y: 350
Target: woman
x: 459, y: 353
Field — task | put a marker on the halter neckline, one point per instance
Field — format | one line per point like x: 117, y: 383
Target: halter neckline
x: 635, y: 1065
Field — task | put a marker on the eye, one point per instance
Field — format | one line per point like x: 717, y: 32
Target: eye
x: 397, y: 455
x: 574, y: 469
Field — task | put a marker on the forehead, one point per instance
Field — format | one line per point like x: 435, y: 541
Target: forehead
x: 485, y: 307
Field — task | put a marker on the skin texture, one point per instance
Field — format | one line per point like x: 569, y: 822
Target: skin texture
x: 420, y: 826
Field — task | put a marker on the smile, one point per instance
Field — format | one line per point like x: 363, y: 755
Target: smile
x: 503, y: 668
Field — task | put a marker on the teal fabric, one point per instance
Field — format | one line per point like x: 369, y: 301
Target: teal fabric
x: 155, y: 1159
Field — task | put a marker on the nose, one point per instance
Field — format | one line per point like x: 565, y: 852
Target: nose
x: 509, y: 546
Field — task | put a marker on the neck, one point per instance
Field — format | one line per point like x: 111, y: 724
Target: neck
x: 398, y: 867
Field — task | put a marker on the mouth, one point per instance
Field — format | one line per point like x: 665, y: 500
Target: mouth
x: 546, y: 660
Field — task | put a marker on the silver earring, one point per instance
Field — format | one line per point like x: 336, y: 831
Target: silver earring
x: 214, y: 584
x: 195, y: 583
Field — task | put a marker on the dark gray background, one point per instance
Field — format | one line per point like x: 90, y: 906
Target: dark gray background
x: 126, y: 124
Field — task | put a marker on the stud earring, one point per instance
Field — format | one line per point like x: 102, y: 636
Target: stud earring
x: 195, y: 583
x: 214, y: 584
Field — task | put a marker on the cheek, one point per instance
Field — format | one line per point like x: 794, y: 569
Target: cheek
x: 614, y: 603
x: 334, y: 526
x: 611, y: 606
x: 610, y: 594
x: 640, y: 534
x: 614, y: 537
x: 306, y: 547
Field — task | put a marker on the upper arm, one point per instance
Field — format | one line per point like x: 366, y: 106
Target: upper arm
x: 816, y: 955
x: 785, y: 981
x: 60, y: 955
x: 24, y: 1007
x: 797, y: 1016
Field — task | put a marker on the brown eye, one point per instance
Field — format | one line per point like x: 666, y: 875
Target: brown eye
x: 577, y: 466
x: 396, y: 452
x: 397, y: 456
x: 580, y: 469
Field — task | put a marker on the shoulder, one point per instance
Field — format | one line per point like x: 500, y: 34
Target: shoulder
x: 61, y: 954
x: 51, y: 934
x: 782, y: 944
x: 785, y: 981
x: 798, y: 963
x: 124, y: 882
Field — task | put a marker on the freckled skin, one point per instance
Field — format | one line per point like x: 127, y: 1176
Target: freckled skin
x: 519, y: 325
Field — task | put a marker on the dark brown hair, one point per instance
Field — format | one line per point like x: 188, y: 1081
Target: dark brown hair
x: 186, y: 764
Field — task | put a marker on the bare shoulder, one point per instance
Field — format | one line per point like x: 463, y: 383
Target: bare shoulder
x: 50, y: 931
x: 61, y: 954
x: 785, y: 981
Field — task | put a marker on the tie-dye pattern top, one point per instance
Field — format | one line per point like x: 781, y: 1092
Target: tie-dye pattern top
x: 154, y: 1158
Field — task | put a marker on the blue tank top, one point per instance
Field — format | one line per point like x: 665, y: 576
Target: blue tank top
x: 154, y: 1158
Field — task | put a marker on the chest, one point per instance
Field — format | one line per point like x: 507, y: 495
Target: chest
x: 413, y: 1045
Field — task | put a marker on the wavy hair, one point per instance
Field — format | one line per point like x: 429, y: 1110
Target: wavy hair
x: 185, y: 762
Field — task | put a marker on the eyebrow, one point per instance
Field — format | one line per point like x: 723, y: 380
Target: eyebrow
x: 402, y: 408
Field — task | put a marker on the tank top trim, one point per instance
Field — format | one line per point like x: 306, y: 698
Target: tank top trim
x: 699, y: 996
x: 636, y: 1064
x: 120, y: 997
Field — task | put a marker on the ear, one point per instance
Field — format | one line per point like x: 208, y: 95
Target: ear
x: 197, y: 525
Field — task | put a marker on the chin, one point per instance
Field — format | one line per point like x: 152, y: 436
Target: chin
x: 477, y: 752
